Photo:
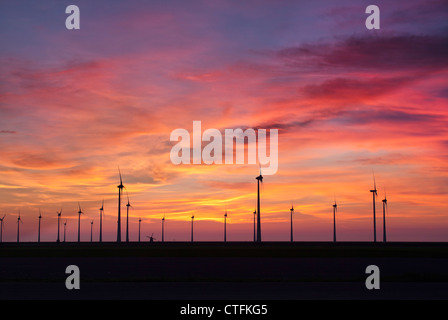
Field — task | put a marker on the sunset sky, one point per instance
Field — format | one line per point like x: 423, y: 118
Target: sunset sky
x: 77, y: 104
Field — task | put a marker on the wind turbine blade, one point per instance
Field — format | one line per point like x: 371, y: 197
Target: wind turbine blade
x: 374, y: 181
x: 119, y: 172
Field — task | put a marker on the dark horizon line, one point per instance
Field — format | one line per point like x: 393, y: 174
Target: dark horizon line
x: 189, y: 242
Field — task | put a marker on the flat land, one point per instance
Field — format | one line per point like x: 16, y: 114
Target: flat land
x: 224, y: 271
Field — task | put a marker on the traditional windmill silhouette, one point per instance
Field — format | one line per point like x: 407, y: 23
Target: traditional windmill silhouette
x: 59, y: 217
x: 38, y: 230
x: 101, y: 221
x: 292, y: 212
x: 335, y: 209
x: 18, y: 227
x: 151, y: 238
x: 384, y: 216
x: 374, y: 194
x: 259, y: 180
x: 1, y: 228
x: 120, y: 190
x: 79, y: 222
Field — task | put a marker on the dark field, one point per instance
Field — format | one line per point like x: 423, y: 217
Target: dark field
x: 224, y: 271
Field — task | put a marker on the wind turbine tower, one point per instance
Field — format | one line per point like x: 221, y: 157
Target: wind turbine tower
x: 139, y: 223
x: 101, y: 221
x: 335, y: 209
x: 127, y: 217
x: 38, y: 230
x: 120, y: 190
x: 225, y: 227
x: 19, y: 221
x: 65, y: 225
x: 192, y: 219
x: 255, y: 234
x: 79, y: 222
x: 91, y: 231
x: 1, y: 228
x: 163, y: 228
x: 259, y: 180
x: 292, y: 212
x: 59, y: 217
x: 374, y: 194
x: 384, y: 217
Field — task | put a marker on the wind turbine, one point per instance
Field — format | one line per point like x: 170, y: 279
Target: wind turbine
x: 38, y: 230
x: 79, y: 222
x: 91, y: 231
x: 65, y: 224
x: 59, y: 217
x: 192, y: 219
x: 255, y: 215
x: 225, y: 231
x: 163, y: 228
x: 18, y: 227
x: 120, y: 190
x: 259, y: 180
x: 1, y: 228
x: 335, y: 209
x: 384, y: 216
x: 374, y: 194
x: 127, y: 217
x: 292, y: 212
x: 101, y: 221
x: 139, y: 223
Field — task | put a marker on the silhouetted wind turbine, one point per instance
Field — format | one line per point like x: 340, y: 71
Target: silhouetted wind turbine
x: 59, y: 217
x: 38, y: 231
x: 384, y: 216
x: 163, y: 228
x: 18, y: 227
x: 335, y: 209
x: 225, y: 231
x: 1, y: 228
x: 127, y: 217
x: 139, y: 223
x: 374, y: 194
x: 120, y: 190
x: 192, y: 219
x: 101, y: 221
x: 65, y: 224
x: 91, y: 231
x: 255, y: 215
x: 292, y: 212
x: 259, y: 180
x: 79, y: 222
